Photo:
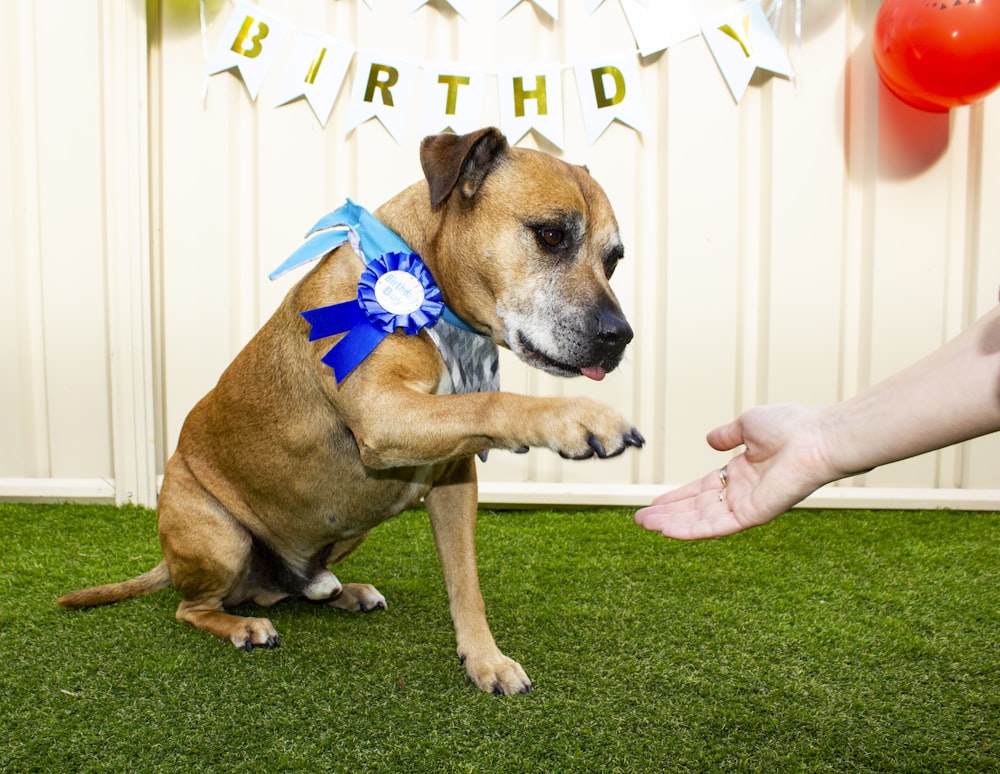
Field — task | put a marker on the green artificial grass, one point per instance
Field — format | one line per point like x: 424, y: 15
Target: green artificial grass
x: 826, y: 641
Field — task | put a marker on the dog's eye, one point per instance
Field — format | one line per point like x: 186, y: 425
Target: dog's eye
x: 611, y: 260
x: 553, y: 237
x: 559, y: 234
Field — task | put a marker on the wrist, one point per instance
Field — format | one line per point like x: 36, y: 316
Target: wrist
x: 843, y: 451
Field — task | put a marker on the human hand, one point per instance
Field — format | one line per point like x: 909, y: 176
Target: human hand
x: 783, y: 462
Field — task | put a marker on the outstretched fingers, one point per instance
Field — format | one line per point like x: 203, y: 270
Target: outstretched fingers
x: 714, y: 520
x: 707, y: 483
x: 700, y: 509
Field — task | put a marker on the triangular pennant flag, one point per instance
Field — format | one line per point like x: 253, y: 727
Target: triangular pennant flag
x: 461, y: 7
x: 551, y: 7
x: 249, y: 43
x: 531, y: 98
x: 315, y: 70
x: 610, y: 88
x: 452, y: 97
x: 383, y: 88
x: 741, y: 40
x: 659, y: 24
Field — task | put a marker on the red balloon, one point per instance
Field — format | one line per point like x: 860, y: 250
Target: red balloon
x: 938, y: 54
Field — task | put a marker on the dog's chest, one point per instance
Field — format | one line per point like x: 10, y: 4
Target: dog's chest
x: 471, y: 361
x: 420, y: 485
x: 385, y: 494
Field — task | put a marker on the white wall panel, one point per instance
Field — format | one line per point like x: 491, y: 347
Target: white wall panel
x: 797, y: 246
x: 75, y: 196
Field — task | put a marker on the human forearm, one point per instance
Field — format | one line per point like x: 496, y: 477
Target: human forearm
x: 950, y: 396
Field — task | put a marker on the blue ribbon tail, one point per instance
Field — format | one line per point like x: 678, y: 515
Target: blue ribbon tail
x: 317, y: 247
x: 337, y: 318
x: 352, y: 349
x: 376, y: 239
x: 348, y: 214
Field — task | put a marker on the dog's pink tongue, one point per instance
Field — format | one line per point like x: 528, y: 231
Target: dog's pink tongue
x: 594, y: 372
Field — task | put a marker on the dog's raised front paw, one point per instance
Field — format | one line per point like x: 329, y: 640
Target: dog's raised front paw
x: 585, y: 428
x: 358, y: 597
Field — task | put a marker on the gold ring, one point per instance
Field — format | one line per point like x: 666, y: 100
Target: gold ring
x: 724, y: 477
x: 722, y: 495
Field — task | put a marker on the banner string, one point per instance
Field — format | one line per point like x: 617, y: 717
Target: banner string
x: 204, y: 52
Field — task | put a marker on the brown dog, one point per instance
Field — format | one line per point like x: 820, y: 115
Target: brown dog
x: 281, y: 471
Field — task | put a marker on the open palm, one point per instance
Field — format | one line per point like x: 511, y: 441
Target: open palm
x: 783, y: 461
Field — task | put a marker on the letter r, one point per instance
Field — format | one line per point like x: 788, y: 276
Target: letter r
x: 374, y: 82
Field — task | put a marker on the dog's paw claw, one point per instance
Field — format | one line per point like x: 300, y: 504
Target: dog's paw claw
x: 582, y: 456
x: 634, y: 438
x: 498, y: 690
x: 595, y: 443
x: 248, y: 644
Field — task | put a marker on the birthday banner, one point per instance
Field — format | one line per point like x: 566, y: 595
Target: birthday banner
x: 453, y: 94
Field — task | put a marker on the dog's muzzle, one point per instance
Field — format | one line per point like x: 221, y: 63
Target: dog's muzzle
x: 592, y: 349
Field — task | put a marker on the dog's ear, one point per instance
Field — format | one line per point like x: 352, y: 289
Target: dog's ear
x: 462, y: 161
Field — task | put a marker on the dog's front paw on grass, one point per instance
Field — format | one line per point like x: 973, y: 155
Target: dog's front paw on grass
x: 499, y: 675
x: 358, y: 598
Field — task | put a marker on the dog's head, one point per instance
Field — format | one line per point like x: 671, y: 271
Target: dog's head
x: 525, y: 249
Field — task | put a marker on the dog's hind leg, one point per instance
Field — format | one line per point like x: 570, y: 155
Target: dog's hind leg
x: 452, y: 505
x: 209, y: 554
x: 244, y: 632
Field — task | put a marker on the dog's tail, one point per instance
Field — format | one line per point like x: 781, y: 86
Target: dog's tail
x: 153, y: 580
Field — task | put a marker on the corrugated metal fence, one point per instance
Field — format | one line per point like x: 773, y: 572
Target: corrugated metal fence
x: 797, y: 246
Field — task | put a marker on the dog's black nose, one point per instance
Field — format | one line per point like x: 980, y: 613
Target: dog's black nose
x: 613, y: 330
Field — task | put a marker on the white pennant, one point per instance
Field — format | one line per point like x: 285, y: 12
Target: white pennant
x: 383, y: 89
x: 453, y: 96
x: 659, y: 24
x: 461, y: 7
x: 531, y: 98
x: 249, y: 43
x: 315, y: 70
x: 551, y: 7
x: 741, y: 41
x: 610, y: 88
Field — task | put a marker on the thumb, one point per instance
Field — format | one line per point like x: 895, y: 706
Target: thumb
x: 726, y: 437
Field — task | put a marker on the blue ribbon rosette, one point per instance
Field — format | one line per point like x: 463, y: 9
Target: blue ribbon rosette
x: 396, y: 291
